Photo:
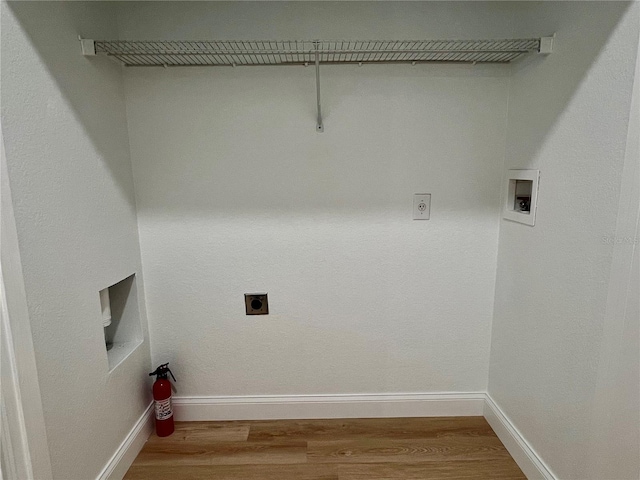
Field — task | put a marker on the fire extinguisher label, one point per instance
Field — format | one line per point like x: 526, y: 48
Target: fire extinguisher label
x: 163, y: 409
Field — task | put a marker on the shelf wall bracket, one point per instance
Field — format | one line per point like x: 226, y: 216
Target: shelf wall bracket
x: 88, y: 47
x: 546, y: 45
x: 319, y: 125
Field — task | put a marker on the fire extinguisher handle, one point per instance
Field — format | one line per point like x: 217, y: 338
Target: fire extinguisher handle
x: 161, y: 372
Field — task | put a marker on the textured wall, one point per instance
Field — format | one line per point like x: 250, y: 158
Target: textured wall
x: 64, y: 127
x: 237, y: 193
x: 568, y: 117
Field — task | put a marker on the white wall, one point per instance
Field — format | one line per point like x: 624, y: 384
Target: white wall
x: 237, y: 193
x: 615, y: 444
x: 24, y: 452
x: 64, y: 127
x: 568, y: 117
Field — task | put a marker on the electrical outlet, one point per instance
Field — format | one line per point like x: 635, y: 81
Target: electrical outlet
x: 256, y: 303
x: 421, y: 206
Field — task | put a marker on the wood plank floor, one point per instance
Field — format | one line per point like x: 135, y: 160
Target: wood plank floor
x: 343, y: 449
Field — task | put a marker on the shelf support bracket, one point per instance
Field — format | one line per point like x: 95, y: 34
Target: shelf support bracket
x: 88, y: 47
x: 319, y: 126
x: 546, y: 45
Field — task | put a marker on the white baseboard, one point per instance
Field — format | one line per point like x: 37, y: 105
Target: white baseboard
x: 119, y: 463
x: 526, y: 457
x: 328, y: 406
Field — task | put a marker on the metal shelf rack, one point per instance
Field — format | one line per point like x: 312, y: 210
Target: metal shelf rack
x: 313, y: 52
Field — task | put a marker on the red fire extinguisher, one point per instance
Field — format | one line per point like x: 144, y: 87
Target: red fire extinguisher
x: 162, y: 400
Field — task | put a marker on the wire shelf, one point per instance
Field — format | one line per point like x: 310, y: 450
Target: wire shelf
x: 317, y: 52
x: 296, y: 52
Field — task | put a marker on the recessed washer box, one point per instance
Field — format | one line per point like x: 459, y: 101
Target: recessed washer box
x: 521, y: 198
x: 120, y: 318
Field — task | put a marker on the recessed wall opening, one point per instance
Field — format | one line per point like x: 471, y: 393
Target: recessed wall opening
x: 521, y: 196
x: 120, y: 318
x: 522, y: 200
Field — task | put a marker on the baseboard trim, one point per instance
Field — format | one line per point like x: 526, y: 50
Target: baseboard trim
x: 525, y: 456
x: 119, y: 463
x: 328, y: 406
